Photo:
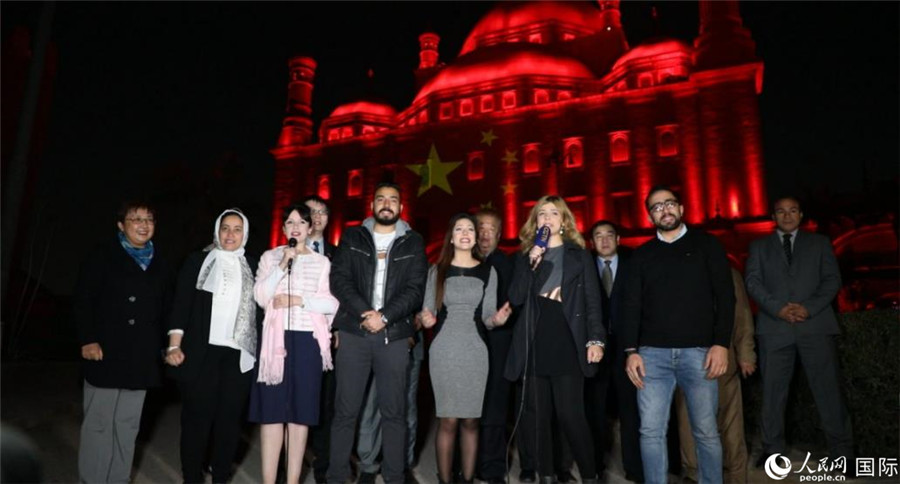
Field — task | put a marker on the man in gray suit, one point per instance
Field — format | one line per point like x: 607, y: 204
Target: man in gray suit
x: 793, y: 277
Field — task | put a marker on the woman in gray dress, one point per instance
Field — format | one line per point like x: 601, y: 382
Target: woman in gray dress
x: 460, y: 304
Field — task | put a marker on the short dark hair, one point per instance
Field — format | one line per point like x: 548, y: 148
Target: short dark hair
x: 488, y: 212
x: 129, y: 206
x: 316, y: 199
x: 600, y: 223
x: 387, y: 184
x: 300, y: 208
x: 787, y: 197
x: 654, y: 190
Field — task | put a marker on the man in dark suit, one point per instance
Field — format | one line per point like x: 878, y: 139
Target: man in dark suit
x: 316, y: 241
x: 612, y: 266
x: 793, y: 276
x: 492, y: 438
x: 319, y: 436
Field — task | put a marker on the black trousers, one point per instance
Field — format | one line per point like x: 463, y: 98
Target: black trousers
x: 213, y: 404
x: 493, y: 437
x: 320, y: 435
x: 595, y: 395
x: 556, y: 395
x: 627, y: 409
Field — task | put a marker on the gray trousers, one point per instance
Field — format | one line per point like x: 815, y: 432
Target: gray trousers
x: 359, y: 356
x: 368, y: 444
x: 112, y: 417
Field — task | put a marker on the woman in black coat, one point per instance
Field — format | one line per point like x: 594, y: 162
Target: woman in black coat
x: 120, y: 304
x: 561, y: 337
x: 212, y: 346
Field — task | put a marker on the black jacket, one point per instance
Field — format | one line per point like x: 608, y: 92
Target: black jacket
x: 353, y: 278
x: 191, y: 312
x: 123, y: 308
x: 580, y: 300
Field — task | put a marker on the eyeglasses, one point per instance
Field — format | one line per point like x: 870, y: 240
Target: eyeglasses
x: 141, y: 221
x: 659, y: 207
x: 318, y: 212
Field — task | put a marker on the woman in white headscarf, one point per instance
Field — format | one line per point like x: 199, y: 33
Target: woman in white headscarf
x: 212, y: 347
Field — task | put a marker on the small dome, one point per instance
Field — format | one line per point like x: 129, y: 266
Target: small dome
x: 365, y: 107
x: 653, y: 48
x: 511, y: 15
x: 505, y: 60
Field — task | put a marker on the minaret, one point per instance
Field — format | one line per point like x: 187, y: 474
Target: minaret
x: 609, y: 43
x: 428, y: 58
x: 297, y: 127
x: 723, y: 40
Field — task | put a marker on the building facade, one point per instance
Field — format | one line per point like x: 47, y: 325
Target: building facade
x: 546, y: 98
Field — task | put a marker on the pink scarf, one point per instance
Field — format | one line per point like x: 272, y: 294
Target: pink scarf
x: 272, y: 352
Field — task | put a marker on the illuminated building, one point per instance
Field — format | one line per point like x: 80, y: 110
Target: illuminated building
x: 546, y: 98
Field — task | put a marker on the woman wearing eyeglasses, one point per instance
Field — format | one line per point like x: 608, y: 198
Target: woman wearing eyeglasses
x: 121, y: 300
x: 560, y: 339
x: 212, y: 347
x: 295, y: 345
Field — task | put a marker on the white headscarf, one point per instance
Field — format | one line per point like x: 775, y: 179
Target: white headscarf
x: 231, y: 303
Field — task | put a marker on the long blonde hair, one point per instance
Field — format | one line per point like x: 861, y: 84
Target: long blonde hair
x: 570, y: 233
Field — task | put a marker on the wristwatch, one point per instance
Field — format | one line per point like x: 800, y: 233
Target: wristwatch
x: 384, y: 319
x: 631, y: 351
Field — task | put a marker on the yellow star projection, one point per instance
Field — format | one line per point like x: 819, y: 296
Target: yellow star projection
x: 434, y: 172
x: 510, y: 157
x: 488, y: 137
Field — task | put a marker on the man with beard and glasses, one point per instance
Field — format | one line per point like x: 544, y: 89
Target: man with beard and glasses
x: 678, y: 315
x: 378, y: 275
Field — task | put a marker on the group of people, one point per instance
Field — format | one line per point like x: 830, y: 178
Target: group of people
x: 322, y: 345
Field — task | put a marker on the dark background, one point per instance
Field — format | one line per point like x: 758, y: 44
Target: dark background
x: 182, y: 101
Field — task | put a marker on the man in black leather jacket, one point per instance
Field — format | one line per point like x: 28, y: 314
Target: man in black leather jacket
x: 378, y: 275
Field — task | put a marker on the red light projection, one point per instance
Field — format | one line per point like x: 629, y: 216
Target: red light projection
x: 514, y: 61
x: 546, y: 97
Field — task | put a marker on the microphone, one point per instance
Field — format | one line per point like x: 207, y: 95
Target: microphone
x: 291, y: 243
x: 541, y: 239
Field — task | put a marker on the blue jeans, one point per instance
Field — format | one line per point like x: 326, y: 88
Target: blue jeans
x: 666, y: 367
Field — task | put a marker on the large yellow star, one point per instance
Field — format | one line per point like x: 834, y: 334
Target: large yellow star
x: 434, y: 172
x: 509, y: 188
x: 510, y: 157
x: 488, y: 137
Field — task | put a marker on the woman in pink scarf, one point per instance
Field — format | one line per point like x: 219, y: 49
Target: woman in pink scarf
x: 292, y: 287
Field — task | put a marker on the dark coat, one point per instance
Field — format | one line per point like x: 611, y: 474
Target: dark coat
x: 123, y: 308
x: 353, y: 277
x: 813, y: 279
x: 580, y: 300
x: 191, y: 312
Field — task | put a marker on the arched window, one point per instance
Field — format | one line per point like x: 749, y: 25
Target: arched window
x: 619, y: 147
x: 541, y: 96
x: 334, y: 134
x: 666, y: 140
x: 487, y: 103
x: 346, y: 132
x: 509, y: 99
x: 532, y: 162
x: 563, y: 95
x: 354, y: 183
x: 466, y: 107
x: 446, y: 111
x: 324, y: 189
x: 573, y: 152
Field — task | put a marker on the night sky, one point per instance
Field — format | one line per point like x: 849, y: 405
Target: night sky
x: 182, y: 101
